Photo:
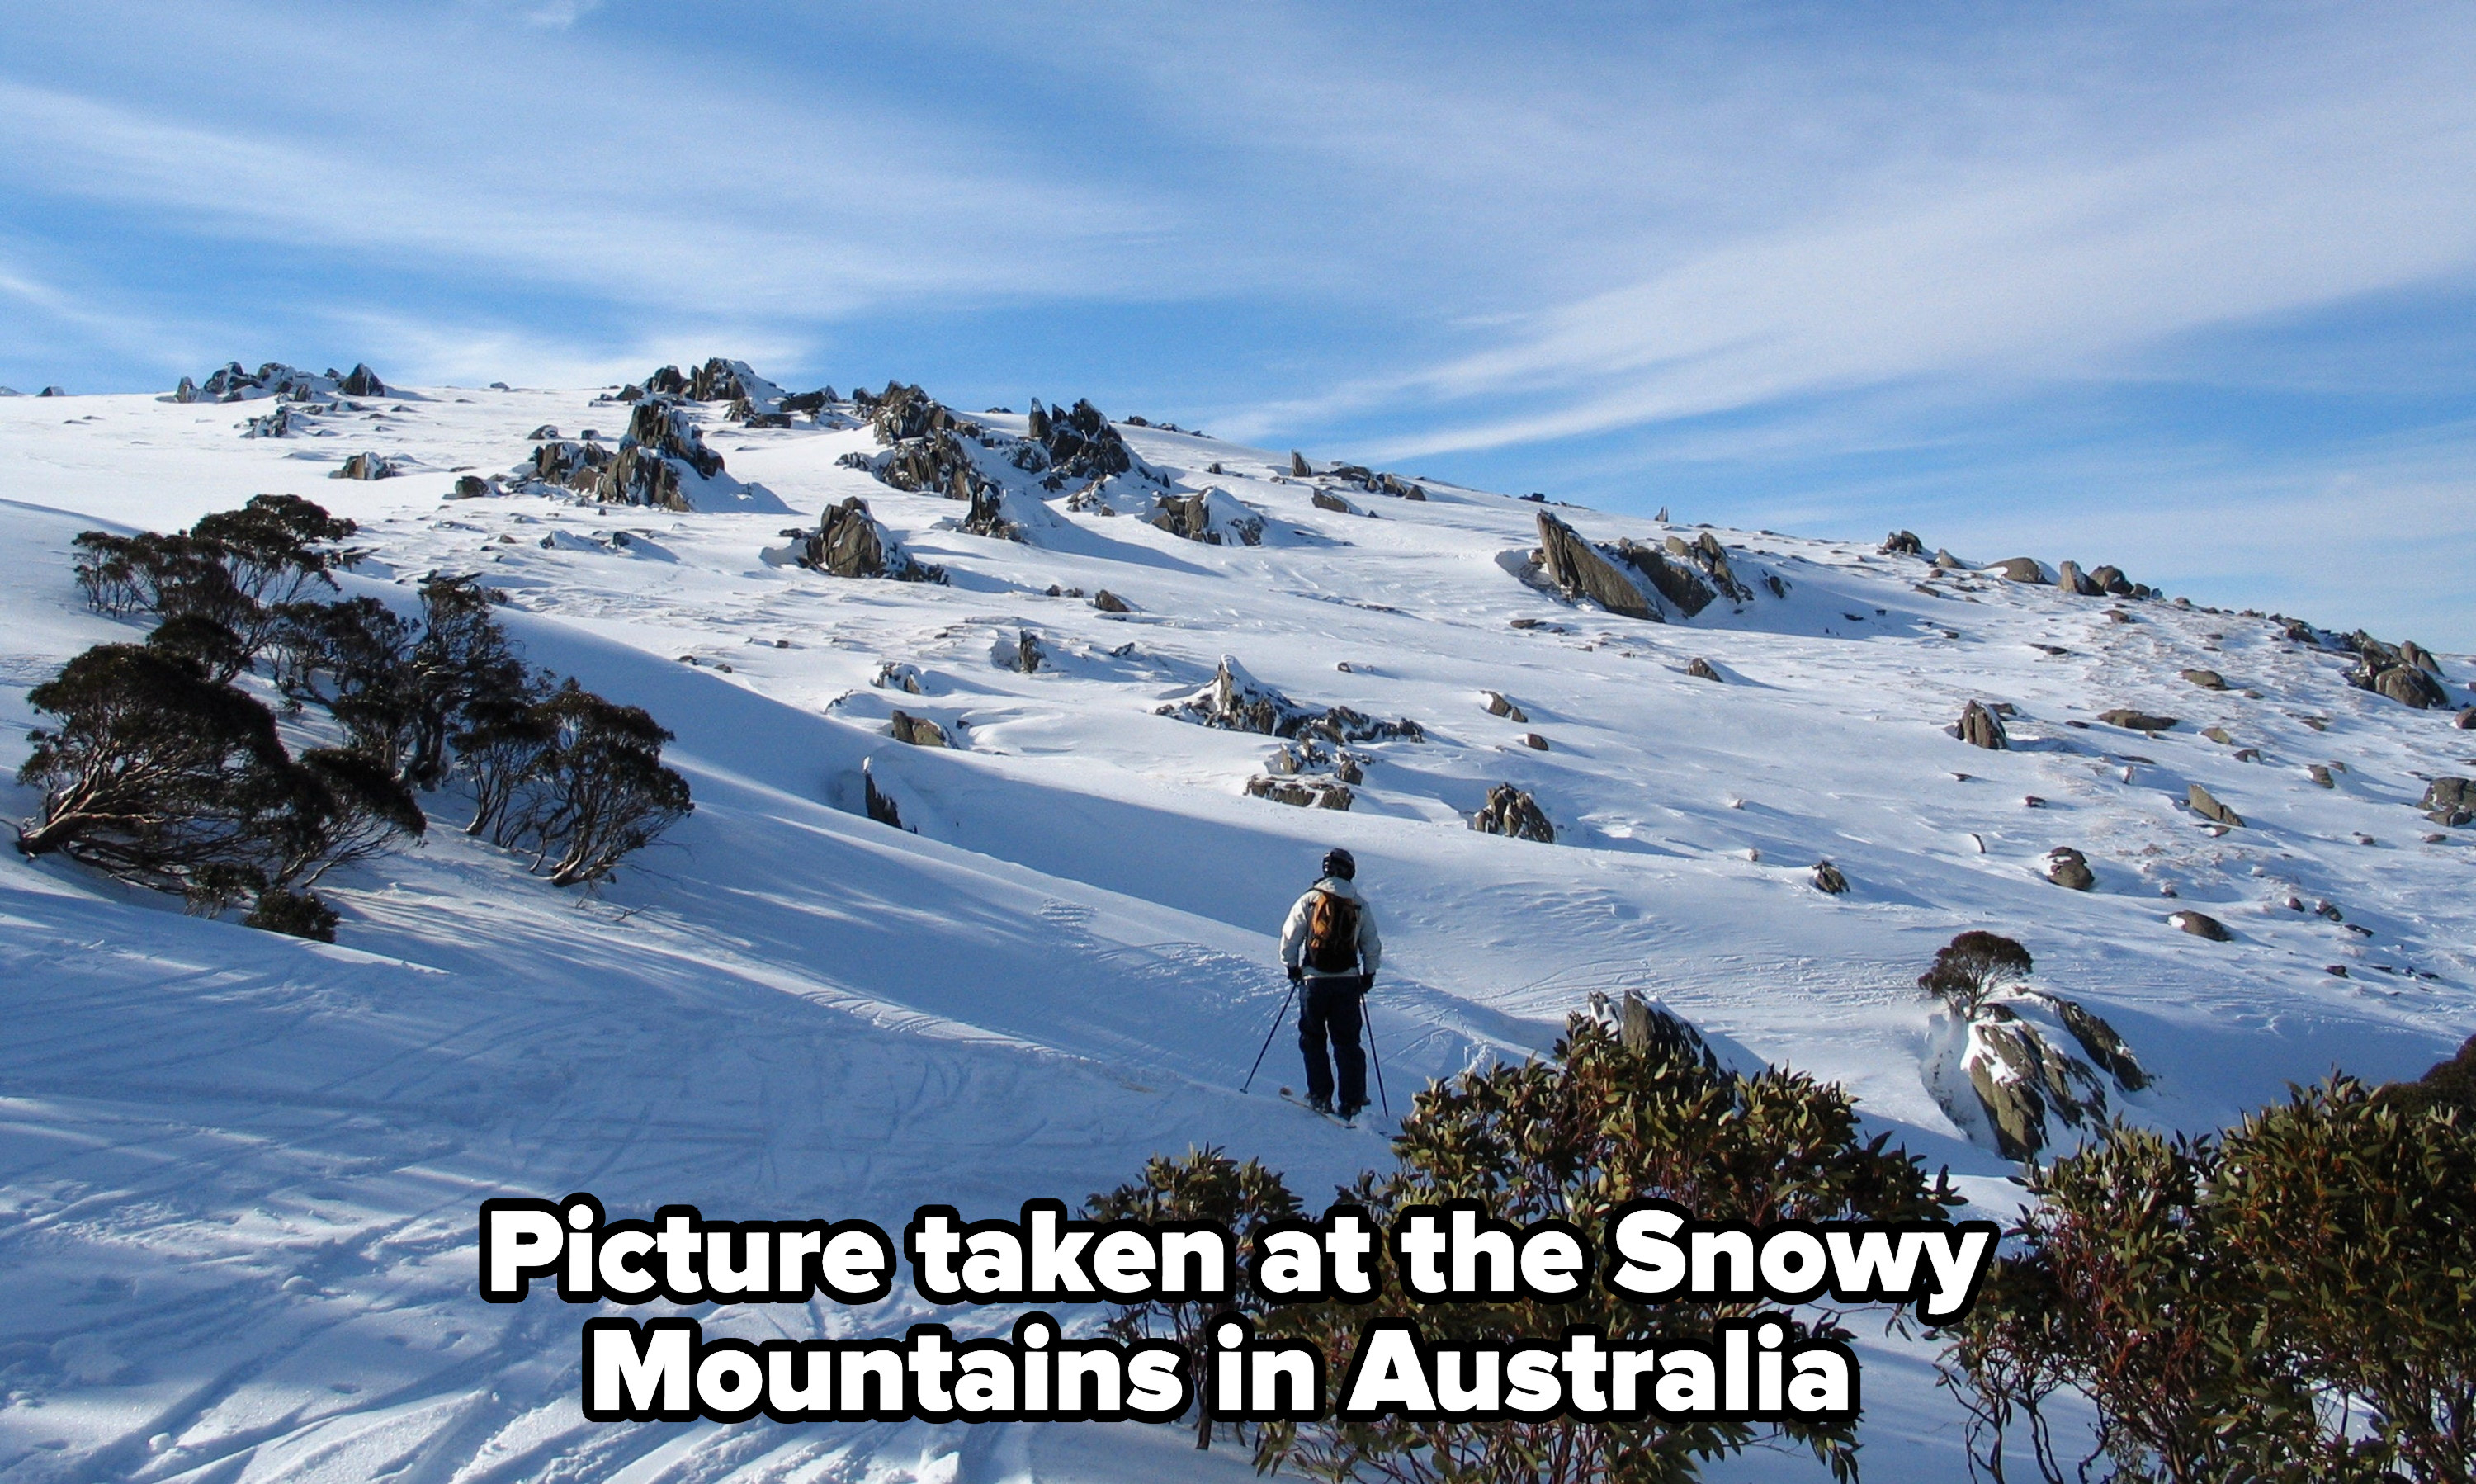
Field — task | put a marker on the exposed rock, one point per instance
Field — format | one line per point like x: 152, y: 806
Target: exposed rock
x: 1510, y: 811
x: 880, y: 805
x: 1213, y: 517
x: 1237, y: 701
x: 918, y: 731
x: 2137, y: 721
x: 363, y: 382
x: 2201, y: 925
x: 2100, y: 1043
x: 2320, y: 774
x: 2022, y: 1080
x: 542, y: 432
x: 2071, y: 580
x: 2467, y: 721
x: 1576, y: 566
x: 1109, y: 602
x: 1305, y: 793
x: 1978, y: 727
x: 365, y: 467
x: 1645, y: 1024
x: 1706, y: 552
x: 1946, y: 561
x: 277, y: 423
x: 1027, y: 653
x: 1534, y: 740
x: 2450, y: 800
x: 1827, y: 879
x: 2112, y: 582
x: 2209, y: 808
x: 1699, y: 669
x: 1902, y: 543
x: 849, y: 542
x: 1680, y: 586
x: 2207, y: 680
x: 472, y: 486
x: 1078, y: 446
x: 2220, y: 734
x: 2416, y: 654
x: 2069, y: 868
x: 891, y: 676
x: 1330, y: 502
x: 2410, y: 686
x: 1498, y: 706
x: 1299, y: 466
x: 902, y: 412
x: 2020, y: 569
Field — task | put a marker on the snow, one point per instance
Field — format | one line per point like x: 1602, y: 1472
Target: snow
x: 238, y: 1172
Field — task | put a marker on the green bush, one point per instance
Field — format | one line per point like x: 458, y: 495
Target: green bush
x: 2295, y: 1300
x: 301, y: 914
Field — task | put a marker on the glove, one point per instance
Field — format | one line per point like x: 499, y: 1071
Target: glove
x: 1365, y: 983
x: 1298, y: 975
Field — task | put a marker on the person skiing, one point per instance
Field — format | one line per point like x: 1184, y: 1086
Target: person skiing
x: 1331, y: 949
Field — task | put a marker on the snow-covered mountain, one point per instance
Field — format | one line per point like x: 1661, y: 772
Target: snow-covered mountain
x: 238, y: 1171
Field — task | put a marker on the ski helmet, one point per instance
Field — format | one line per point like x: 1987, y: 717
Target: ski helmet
x: 1339, y: 863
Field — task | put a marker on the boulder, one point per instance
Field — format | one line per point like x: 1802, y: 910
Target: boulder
x: 365, y: 467
x: 2069, y: 868
x: 2207, y: 680
x: 2320, y: 774
x: 1510, y: 811
x: 1706, y: 552
x: 1235, y: 701
x: 1213, y: 517
x: 1979, y: 727
x: 1647, y: 1026
x: 472, y: 486
x: 1902, y: 543
x: 1298, y: 465
x: 362, y: 383
x: 2020, y: 569
x: 2410, y: 686
x: 891, y: 676
x: 849, y: 542
x: 1827, y: 879
x: 880, y: 805
x: 2211, y: 809
x: 1699, y: 669
x: 1027, y: 653
x: 918, y: 731
x: 1577, y: 568
x: 2416, y: 654
x: 2137, y: 721
x: 2220, y: 734
x: 2450, y: 800
x: 1109, y: 602
x: 2070, y: 578
x: 1330, y: 502
x: 2022, y: 1080
x: 1304, y: 793
x: 277, y: 423
x: 2467, y: 721
x: 2201, y: 925
x: 546, y: 432
x: 1535, y: 741
x: 1946, y: 561
x: 1498, y: 706
x: 1080, y: 446
x: 2100, y: 1043
x: 2112, y: 582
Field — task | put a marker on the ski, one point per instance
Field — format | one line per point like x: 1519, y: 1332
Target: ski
x: 1363, y: 1123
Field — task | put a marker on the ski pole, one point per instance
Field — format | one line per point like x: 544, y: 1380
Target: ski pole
x: 1369, y: 1024
x: 1278, y: 1016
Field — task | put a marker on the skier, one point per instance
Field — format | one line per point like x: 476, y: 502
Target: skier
x: 1330, y: 947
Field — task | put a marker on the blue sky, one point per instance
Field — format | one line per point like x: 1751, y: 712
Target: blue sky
x: 2188, y: 288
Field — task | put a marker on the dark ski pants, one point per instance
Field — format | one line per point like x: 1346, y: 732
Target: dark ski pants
x: 1329, y: 1010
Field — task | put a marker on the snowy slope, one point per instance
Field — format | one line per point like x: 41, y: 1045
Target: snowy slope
x: 237, y: 1172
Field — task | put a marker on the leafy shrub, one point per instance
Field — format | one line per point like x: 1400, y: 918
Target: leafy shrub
x: 1972, y: 967
x: 2294, y: 1299
x: 1574, y: 1136
x: 1205, y: 1186
x: 597, y: 791
x: 301, y: 914
x: 2446, y: 1084
x: 241, y: 569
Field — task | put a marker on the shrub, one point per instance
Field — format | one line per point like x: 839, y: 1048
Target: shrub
x: 300, y: 914
x: 1205, y: 1185
x: 194, y: 636
x: 598, y: 791
x: 463, y: 662
x: 1573, y: 1137
x: 1972, y: 967
x: 240, y: 568
x: 402, y: 688
x: 2295, y: 1300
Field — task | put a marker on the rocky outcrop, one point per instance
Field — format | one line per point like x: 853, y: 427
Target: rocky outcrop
x: 274, y: 379
x: 1707, y: 554
x: 1027, y: 653
x: 2450, y: 800
x: 1979, y: 727
x: 2220, y: 734
x: 2207, y: 680
x: 2070, y: 578
x: 2100, y: 1043
x: 1498, y: 706
x: 1672, y: 580
x: 918, y: 731
x: 1647, y: 1026
x: 2201, y: 925
x: 1828, y: 880
x: 2410, y: 686
x: 1213, y: 517
x: 2008, y: 1075
x: 1238, y: 702
x: 2112, y: 582
x: 2069, y: 868
x: 1304, y: 793
x: 891, y: 676
x: 362, y: 382
x: 1902, y: 543
x: 2022, y: 1080
x: 1510, y: 811
x: 277, y: 423
x: 1699, y: 669
x: 366, y: 466
x: 2319, y: 773
x: 2467, y: 721
x: 849, y: 542
x: 2020, y: 569
x: 2206, y: 805
x: 1109, y: 602
x: 1577, y: 569
x: 879, y: 804
x: 1534, y: 741
x: 2137, y: 721
x: 567, y: 463
x: 1300, y: 469
x: 2416, y: 654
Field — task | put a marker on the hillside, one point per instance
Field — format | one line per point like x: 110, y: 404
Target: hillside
x: 238, y: 1171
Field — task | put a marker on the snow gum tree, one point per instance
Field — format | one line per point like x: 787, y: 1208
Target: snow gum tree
x: 1572, y: 1137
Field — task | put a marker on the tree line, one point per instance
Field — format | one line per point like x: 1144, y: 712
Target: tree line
x: 166, y: 769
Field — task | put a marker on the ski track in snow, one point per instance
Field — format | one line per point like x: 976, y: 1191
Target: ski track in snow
x: 238, y: 1172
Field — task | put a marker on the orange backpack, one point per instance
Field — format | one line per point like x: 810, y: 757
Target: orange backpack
x: 1332, y: 934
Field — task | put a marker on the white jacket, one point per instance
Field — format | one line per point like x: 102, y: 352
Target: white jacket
x: 1294, y: 932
